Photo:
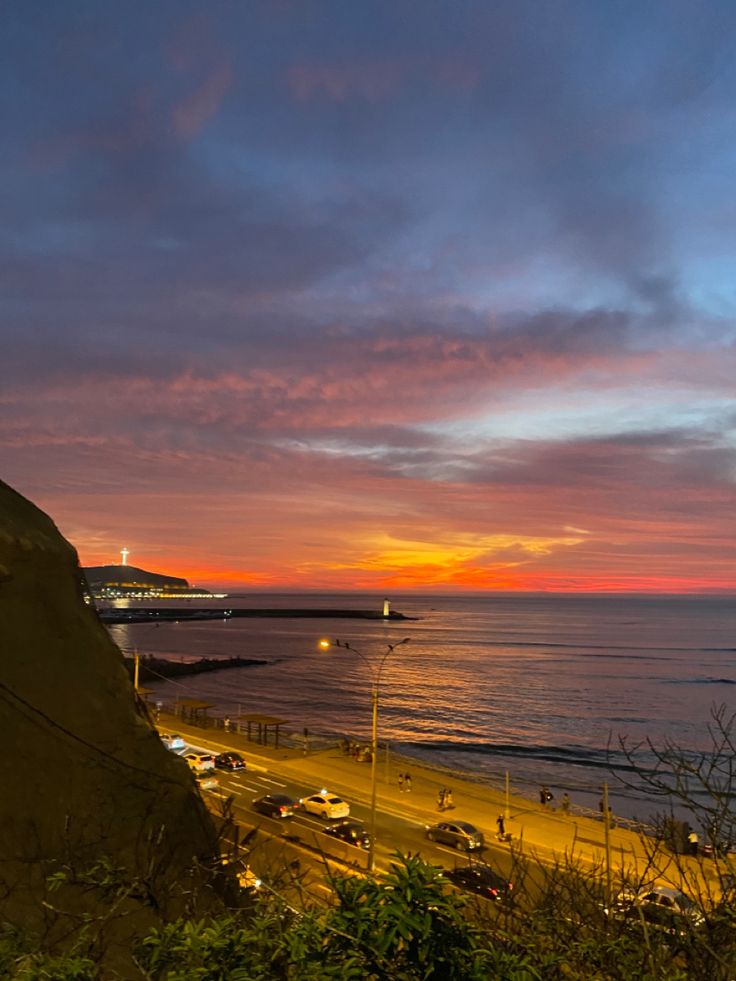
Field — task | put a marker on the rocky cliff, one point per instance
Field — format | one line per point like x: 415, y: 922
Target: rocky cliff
x: 95, y: 814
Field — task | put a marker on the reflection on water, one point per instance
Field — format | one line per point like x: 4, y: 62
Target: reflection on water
x: 539, y: 686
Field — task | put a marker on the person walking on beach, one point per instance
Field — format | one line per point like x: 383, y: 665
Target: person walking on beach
x: 401, y: 783
x: 565, y: 803
x: 407, y: 782
x: 501, y: 825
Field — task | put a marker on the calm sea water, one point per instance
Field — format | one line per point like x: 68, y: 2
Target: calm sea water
x: 542, y: 687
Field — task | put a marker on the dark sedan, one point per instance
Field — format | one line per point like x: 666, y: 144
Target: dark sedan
x: 275, y: 805
x: 483, y: 881
x: 229, y: 761
x: 351, y: 832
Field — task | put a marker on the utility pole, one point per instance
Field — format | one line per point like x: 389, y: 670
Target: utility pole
x: 607, y: 840
x: 136, y: 668
x: 374, y: 753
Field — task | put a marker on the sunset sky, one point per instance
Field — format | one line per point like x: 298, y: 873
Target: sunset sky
x: 374, y: 295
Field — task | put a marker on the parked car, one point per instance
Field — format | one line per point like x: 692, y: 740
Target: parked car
x: 275, y: 805
x: 172, y: 740
x: 482, y: 880
x: 326, y: 805
x: 457, y: 834
x: 229, y: 761
x: 200, y: 761
x: 351, y: 832
x: 206, y: 780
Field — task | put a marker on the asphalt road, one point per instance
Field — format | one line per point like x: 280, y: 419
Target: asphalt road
x: 395, y: 832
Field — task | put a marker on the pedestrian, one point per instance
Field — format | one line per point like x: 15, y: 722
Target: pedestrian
x: 500, y: 824
x: 449, y: 802
x: 565, y: 803
x: 401, y: 783
x: 226, y: 724
x: 407, y: 782
x: 441, y: 799
x: 544, y: 796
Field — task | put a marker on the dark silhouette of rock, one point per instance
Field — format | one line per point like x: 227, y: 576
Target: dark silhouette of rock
x: 87, y: 783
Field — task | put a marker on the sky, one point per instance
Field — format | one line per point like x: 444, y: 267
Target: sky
x: 377, y: 296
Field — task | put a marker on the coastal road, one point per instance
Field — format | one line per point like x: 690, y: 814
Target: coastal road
x: 395, y: 831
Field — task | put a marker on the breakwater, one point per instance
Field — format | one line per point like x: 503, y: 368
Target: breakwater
x: 155, y: 668
x: 170, y: 614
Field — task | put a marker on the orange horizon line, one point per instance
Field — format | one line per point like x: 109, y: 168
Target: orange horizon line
x: 445, y: 588
x: 250, y: 583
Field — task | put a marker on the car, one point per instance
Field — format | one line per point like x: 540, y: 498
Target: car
x: 229, y: 761
x: 458, y: 834
x: 206, y: 780
x: 172, y: 740
x: 326, y: 805
x: 351, y: 832
x: 482, y: 880
x: 246, y: 878
x: 275, y: 805
x: 200, y: 761
x: 667, y: 908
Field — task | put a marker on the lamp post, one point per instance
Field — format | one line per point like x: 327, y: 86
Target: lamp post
x: 375, y: 673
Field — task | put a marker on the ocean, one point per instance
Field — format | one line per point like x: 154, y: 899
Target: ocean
x: 541, y: 687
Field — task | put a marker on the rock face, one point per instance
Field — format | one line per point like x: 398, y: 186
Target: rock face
x: 100, y: 576
x: 87, y: 782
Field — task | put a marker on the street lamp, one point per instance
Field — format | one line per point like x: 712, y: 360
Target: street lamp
x: 375, y: 689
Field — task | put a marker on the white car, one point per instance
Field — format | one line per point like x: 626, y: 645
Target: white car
x: 326, y: 805
x: 206, y: 780
x: 200, y: 761
x: 172, y: 740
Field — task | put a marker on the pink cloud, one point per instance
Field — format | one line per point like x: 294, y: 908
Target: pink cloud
x: 372, y: 81
x: 134, y: 128
x: 195, y: 111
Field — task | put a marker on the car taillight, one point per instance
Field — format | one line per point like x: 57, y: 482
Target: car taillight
x: 511, y: 885
x: 282, y: 809
x: 494, y: 892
